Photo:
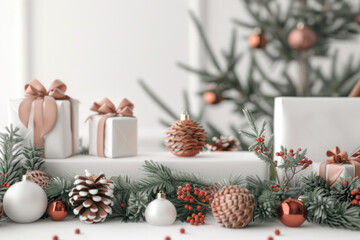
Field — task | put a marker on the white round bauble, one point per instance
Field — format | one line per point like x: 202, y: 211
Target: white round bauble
x: 25, y: 202
x: 160, y: 212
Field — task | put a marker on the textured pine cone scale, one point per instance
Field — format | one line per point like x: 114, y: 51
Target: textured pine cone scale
x: 92, y: 196
x: 185, y: 138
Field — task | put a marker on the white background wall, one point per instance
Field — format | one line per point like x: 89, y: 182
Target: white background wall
x: 101, y: 47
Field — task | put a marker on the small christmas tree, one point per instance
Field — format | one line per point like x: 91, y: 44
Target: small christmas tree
x: 298, y: 35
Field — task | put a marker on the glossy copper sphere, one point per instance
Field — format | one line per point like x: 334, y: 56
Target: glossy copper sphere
x: 58, y: 210
x: 302, y: 38
x: 212, y: 98
x: 292, y: 213
x: 257, y: 40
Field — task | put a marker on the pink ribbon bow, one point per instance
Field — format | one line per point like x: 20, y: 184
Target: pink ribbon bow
x: 45, y: 108
x: 107, y: 108
x: 335, y: 159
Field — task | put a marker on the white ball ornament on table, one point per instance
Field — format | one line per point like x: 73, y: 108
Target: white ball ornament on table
x: 25, y: 201
x: 160, y: 212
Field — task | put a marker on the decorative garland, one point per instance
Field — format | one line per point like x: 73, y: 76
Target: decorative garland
x: 336, y: 206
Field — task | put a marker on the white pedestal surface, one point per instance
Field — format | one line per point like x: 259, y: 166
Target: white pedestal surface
x: 212, y: 165
x: 113, y: 229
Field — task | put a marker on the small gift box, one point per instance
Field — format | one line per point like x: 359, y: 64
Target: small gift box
x: 339, y: 165
x: 113, y: 131
x: 48, y: 119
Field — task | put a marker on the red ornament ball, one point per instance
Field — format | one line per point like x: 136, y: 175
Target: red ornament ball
x: 257, y: 40
x: 292, y: 213
x: 277, y: 232
x: 77, y: 231
x: 302, y: 38
x: 58, y: 210
x: 182, y: 230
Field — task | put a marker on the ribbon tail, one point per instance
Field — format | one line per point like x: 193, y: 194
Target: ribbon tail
x: 334, y: 172
x: 322, y: 170
x: 38, y: 123
x: 49, y: 116
x: 356, y: 168
x: 24, y: 111
x: 101, y: 136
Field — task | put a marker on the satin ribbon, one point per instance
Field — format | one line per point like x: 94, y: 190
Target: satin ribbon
x: 45, y: 108
x: 335, y: 159
x: 107, y: 108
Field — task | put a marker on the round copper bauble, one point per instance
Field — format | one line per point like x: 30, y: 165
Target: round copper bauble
x: 302, y: 38
x: 292, y: 213
x: 58, y: 210
x: 357, y: 19
x: 212, y: 98
x: 257, y: 40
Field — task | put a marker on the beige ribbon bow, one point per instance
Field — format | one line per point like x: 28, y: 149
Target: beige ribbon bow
x: 335, y: 159
x: 107, y: 108
x: 45, y: 108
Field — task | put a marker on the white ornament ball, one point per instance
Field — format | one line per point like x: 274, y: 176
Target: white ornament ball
x: 160, y: 212
x: 25, y: 201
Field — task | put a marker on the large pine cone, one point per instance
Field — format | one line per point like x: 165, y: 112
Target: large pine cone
x: 185, y: 138
x: 92, y: 197
x: 233, y: 207
x: 1, y: 210
x: 39, y: 177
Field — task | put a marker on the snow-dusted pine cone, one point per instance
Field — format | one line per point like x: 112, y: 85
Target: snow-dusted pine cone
x: 233, y: 207
x: 92, y: 197
x: 223, y: 144
x: 39, y: 177
x: 185, y: 138
x: 1, y: 210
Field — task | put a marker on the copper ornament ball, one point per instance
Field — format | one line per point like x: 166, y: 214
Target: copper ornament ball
x: 302, y: 38
x: 292, y: 213
x: 212, y: 98
x: 58, y: 210
x: 257, y: 40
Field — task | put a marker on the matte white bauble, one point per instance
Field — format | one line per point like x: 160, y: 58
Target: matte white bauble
x: 160, y: 212
x: 25, y: 201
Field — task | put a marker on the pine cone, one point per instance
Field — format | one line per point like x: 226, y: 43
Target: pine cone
x: 1, y: 210
x: 92, y: 197
x: 233, y: 207
x: 39, y: 177
x: 223, y: 144
x: 185, y: 138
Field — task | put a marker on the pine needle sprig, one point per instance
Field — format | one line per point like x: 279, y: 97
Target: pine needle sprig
x: 10, y: 158
x: 33, y: 159
x: 162, y: 178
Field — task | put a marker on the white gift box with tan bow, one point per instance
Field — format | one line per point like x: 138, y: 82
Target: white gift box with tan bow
x: 61, y: 140
x: 113, y: 132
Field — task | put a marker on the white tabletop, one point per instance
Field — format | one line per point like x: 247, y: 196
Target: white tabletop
x: 114, y: 229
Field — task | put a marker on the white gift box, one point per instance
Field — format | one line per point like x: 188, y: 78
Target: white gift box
x: 348, y: 170
x: 317, y: 123
x: 58, y: 143
x: 120, y: 136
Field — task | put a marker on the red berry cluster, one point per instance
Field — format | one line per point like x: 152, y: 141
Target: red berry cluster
x: 356, y: 194
x: 194, y: 219
x: 305, y: 162
x: 6, y: 185
x: 260, y: 148
x: 3, y: 175
x: 276, y: 188
x: 184, y: 193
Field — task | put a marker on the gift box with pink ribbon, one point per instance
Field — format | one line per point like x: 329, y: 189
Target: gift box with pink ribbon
x: 339, y: 165
x: 113, y: 131
x: 47, y: 118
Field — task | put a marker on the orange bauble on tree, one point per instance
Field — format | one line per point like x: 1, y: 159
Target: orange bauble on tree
x: 301, y: 38
x: 257, y: 39
x: 185, y: 138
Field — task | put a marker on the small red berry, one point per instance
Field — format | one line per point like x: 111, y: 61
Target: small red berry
x: 265, y: 149
x: 277, y: 154
x: 258, y: 151
x: 190, y: 208
x: 310, y: 162
x: 2, y: 175
x: 354, y: 202
x: 285, y: 157
x: 256, y: 148
x: 270, y: 238
x: 357, y: 197
x: 186, y: 206
x: 198, y: 207
x: 77, y: 231
x: 182, y: 230
x: 299, y: 149
x: 180, y: 187
x: 287, y: 162
x: 345, y: 182
x: 275, y: 161
x: 291, y: 150
x: 357, y: 191
x: 55, y: 237
x: 179, y: 197
x: 167, y: 238
x: 121, y: 205
x: 277, y: 232
x: 287, y: 188
x: 276, y: 190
